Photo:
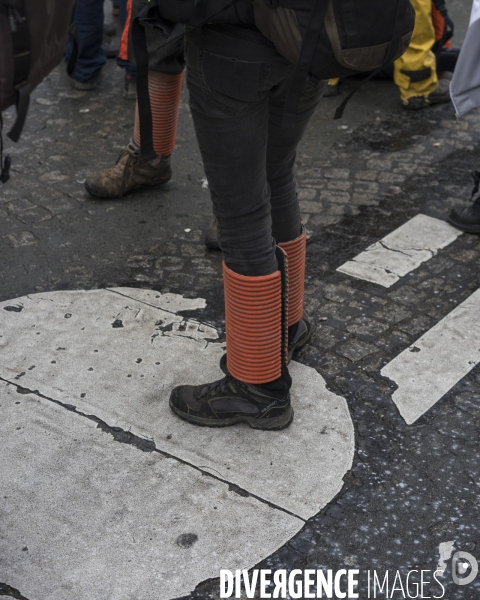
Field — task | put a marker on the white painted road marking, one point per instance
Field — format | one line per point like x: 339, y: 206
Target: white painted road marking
x: 117, y: 358
x: 401, y: 251
x: 445, y: 550
x: 431, y: 366
x: 98, y: 519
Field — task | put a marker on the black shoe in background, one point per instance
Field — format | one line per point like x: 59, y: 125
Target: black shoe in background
x: 467, y: 218
x: 440, y: 95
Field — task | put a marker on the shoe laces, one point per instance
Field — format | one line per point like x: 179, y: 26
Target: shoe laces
x: 128, y: 167
x: 259, y: 394
x: 221, y: 386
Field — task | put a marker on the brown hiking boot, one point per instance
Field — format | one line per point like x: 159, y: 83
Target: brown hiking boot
x: 130, y: 172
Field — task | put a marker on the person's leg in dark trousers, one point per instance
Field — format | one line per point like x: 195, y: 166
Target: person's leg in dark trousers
x: 88, y: 20
x: 237, y: 88
x: 286, y: 229
x: 229, y: 101
x: 281, y: 155
x: 237, y: 106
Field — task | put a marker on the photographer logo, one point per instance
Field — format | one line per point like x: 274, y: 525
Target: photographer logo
x: 464, y: 568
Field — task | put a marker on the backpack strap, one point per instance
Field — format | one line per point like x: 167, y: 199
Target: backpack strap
x: 17, y: 18
x: 139, y: 41
x: 73, y: 33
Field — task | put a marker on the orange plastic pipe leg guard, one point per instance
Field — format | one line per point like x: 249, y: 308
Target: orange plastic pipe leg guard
x: 123, y: 52
x: 253, y: 321
x: 164, y: 91
x: 296, y: 251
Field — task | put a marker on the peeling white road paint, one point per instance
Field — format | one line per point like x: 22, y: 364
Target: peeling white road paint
x: 85, y: 517
x: 170, y: 302
x: 118, y: 358
x: 431, y: 366
x: 116, y: 354
x: 401, y: 251
x: 445, y: 551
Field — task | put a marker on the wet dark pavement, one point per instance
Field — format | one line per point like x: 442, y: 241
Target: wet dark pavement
x: 411, y: 487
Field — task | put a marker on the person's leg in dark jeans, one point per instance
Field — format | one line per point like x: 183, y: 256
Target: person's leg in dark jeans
x: 237, y: 90
x: 281, y: 155
x: 286, y: 230
x: 88, y: 20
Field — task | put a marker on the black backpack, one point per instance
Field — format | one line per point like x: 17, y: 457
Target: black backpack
x: 33, y: 36
x: 325, y: 39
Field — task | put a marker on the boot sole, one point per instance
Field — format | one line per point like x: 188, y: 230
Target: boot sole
x: 275, y: 423
x: 99, y: 194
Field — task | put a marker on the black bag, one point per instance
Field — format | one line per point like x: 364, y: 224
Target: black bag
x: 33, y: 36
x: 347, y: 36
x: 326, y: 39
x: 341, y: 37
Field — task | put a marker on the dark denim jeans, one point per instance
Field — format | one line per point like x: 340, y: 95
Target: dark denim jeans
x: 238, y: 85
x: 88, y: 19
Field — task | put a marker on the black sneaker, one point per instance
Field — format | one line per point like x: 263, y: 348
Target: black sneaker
x: 439, y: 95
x: 468, y: 218
x: 415, y: 103
x: 442, y: 92
x: 229, y: 401
x: 298, y: 335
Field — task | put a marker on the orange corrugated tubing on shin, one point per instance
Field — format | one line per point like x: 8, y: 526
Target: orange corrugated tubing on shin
x: 253, y: 319
x: 164, y: 91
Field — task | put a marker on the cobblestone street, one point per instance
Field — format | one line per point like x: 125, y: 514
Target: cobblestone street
x: 411, y: 487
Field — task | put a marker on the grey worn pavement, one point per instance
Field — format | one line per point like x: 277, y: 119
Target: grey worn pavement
x: 105, y: 305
